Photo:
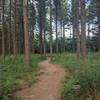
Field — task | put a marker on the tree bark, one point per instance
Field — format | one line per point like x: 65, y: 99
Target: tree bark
x: 10, y: 30
x: 73, y: 23
x: 3, y: 32
x: 77, y: 30
x: 26, y: 33
x: 14, y: 34
x: 83, y: 30
x: 63, y: 37
x: 98, y: 15
x: 56, y: 19
x: 51, y: 51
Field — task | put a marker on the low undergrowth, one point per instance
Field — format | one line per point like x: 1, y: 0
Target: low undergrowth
x: 84, y: 80
x: 14, y: 74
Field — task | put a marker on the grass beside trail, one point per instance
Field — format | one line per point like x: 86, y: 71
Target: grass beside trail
x: 14, y: 74
x: 84, y: 80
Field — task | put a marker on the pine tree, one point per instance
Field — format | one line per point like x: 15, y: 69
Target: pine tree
x: 26, y: 33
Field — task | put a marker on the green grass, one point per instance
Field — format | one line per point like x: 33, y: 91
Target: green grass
x: 14, y: 74
x: 86, y: 75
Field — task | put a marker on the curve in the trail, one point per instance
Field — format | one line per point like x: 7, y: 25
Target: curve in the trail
x: 49, y: 85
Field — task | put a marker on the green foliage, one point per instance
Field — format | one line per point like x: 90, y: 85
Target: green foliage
x: 14, y: 74
x: 86, y: 75
x: 67, y: 60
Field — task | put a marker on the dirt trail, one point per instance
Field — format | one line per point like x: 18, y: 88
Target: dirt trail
x: 49, y: 85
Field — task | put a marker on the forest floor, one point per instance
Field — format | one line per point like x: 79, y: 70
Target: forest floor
x: 49, y: 85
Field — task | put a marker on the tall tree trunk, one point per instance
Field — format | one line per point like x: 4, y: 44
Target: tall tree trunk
x: 44, y: 42
x: 41, y: 40
x: 14, y: 34
x: 56, y: 19
x: 32, y: 40
x: 3, y: 32
x: 73, y: 23
x: 88, y: 36
x: 63, y: 37
x: 77, y: 29
x: 44, y: 29
x: 61, y: 24
x: 98, y: 15
x: 26, y: 33
x: 10, y: 30
x: 41, y: 25
x: 83, y: 30
x: 51, y: 51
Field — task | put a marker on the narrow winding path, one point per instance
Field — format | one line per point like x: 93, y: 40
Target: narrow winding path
x: 49, y: 85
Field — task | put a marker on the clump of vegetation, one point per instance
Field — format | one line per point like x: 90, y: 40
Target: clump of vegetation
x: 84, y: 79
x: 14, y: 74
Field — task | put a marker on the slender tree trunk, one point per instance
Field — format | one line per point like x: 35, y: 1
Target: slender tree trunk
x: 44, y: 29
x: 14, y: 34
x: 89, y: 36
x: 51, y: 51
x: 26, y: 33
x: 63, y: 37
x: 44, y: 42
x: 83, y: 30
x: 77, y: 30
x: 74, y: 38
x: 41, y: 40
x: 98, y: 15
x: 56, y: 11
x: 73, y: 22
x: 41, y: 26
x: 3, y: 32
x: 10, y: 30
x: 33, y: 49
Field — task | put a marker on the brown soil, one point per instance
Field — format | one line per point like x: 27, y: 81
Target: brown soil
x: 49, y: 85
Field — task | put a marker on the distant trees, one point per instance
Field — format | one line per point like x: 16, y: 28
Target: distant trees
x: 42, y: 15
x: 76, y: 30
x: 79, y: 19
x: 47, y: 25
x: 32, y: 22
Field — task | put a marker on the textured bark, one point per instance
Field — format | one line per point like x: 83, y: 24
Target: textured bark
x: 63, y: 37
x: 44, y: 30
x: 88, y: 36
x: 44, y: 42
x: 83, y: 30
x: 98, y: 15
x: 73, y: 22
x: 51, y: 51
x: 10, y: 29
x: 77, y: 29
x: 26, y: 33
x: 41, y: 26
x: 56, y: 19
x: 76, y: 33
x: 14, y: 34
x: 61, y: 24
x: 3, y: 32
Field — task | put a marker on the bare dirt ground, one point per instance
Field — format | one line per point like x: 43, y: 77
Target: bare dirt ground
x: 49, y: 85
